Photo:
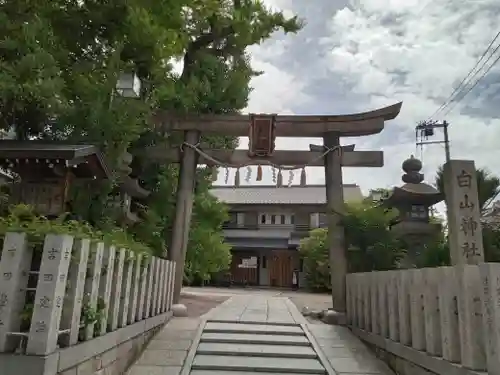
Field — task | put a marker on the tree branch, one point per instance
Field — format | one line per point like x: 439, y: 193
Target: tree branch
x: 201, y: 44
x: 215, y: 36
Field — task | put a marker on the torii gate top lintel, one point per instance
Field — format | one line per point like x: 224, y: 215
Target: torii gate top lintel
x: 353, y: 125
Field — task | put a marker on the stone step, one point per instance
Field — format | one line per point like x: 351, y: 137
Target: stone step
x: 253, y: 328
x: 288, y: 351
x: 249, y: 321
x: 219, y: 372
x: 247, y: 338
x: 257, y: 364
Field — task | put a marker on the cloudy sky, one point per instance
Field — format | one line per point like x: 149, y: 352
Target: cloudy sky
x: 359, y: 55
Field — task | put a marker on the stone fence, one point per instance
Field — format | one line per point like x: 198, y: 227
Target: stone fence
x: 69, y: 301
x: 442, y: 320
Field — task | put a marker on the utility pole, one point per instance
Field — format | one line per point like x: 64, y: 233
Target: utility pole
x: 446, y: 141
x: 425, y: 129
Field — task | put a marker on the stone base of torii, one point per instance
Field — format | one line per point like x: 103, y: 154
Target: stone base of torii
x: 262, y: 130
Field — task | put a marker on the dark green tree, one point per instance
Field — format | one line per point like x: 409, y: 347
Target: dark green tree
x: 370, y: 245
x: 59, y: 64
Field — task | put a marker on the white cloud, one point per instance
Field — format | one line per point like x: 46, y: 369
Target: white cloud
x: 275, y: 90
x: 393, y: 52
x: 385, y: 51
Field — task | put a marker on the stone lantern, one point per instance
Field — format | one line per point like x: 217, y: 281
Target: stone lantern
x: 413, y: 201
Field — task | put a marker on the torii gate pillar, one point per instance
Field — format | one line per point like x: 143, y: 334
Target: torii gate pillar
x: 183, y: 210
x: 336, y: 236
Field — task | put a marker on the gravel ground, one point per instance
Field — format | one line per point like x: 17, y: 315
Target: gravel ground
x: 198, y: 305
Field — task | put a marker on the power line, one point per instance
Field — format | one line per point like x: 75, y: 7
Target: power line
x: 426, y: 128
x: 450, y: 98
x: 477, y: 81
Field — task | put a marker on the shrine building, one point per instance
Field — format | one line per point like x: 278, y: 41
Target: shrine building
x: 266, y: 225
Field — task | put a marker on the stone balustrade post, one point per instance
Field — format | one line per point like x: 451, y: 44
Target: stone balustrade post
x: 134, y: 292
x: 50, y: 292
x: 490, y: 275
x: 15, y: 264
x: 73, y: 302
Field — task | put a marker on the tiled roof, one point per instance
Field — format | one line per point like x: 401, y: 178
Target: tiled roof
x: 312, y: 194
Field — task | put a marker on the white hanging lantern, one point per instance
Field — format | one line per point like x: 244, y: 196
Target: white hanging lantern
x: 129, y: 85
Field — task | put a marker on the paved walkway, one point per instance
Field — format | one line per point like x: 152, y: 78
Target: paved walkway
x: 255, y: 334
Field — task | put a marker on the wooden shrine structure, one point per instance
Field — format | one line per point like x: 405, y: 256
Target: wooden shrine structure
x: 262, y: 131
x: 46, y: 170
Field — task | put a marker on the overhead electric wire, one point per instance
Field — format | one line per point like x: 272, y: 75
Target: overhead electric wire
x: 450, y: 99
x: 475, y: 83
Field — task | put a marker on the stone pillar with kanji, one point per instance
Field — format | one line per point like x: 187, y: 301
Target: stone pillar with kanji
x: 464, y: 212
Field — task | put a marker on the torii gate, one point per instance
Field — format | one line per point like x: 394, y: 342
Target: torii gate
x: 262, y: 131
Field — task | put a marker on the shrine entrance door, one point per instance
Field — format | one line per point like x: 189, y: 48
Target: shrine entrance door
x: 281, y: 268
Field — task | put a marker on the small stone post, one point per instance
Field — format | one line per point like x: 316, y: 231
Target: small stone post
x: 92, y: 282
x: 14, y: 267
x: 159, y: 306
x: 72, y: 309
x: 49, y: 297
x: 490, y: 275
x: 128, y: 269
x: 134, y: 293
x: 116, y: 291
x: 448, y: 314
x: 171, y: 286
x: 150, y: 287
x: 143, y: 290
x: 106, y: 286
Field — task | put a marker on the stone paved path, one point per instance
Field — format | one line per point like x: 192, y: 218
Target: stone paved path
x: 255, y: 334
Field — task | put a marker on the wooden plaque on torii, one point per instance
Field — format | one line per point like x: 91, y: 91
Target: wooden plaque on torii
x: 261, y: 137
